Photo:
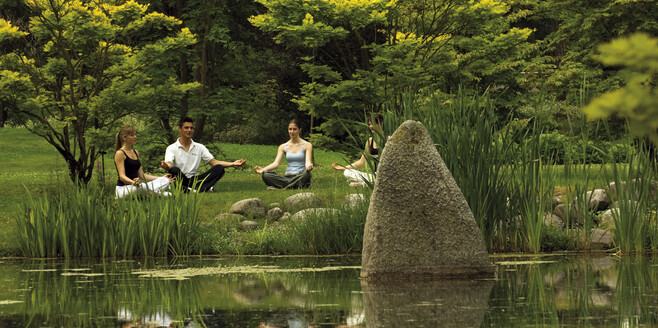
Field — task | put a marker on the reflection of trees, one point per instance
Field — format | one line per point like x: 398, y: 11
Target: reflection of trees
x: 597, y: 290
x: 73, y: 297
x: 108, y: 294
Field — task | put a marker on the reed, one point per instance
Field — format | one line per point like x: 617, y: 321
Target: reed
x: 89, y: 222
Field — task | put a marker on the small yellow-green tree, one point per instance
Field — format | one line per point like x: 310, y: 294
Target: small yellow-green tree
x: 82, y: 66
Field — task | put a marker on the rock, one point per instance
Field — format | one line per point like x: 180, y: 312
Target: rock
x: 274, y: 214
x: 632, y: 204
x: 612, y: 189
x: 230, y: 217
x: 273, y: 205
x: 302, y: 201
x: 601, y: 239
x: 551, y: 219
x: 285, y: 216
x: 569, y: 213
x: 556, y: 201
x: 249, y: 207
x: 598, y: 199
x: 608, y: 219
x: 419, y: 225
x: 248, y: 225
x: 353, y: 201
x: 314, y: 212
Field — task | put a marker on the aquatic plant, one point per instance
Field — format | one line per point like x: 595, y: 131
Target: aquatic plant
x: 88, y: 222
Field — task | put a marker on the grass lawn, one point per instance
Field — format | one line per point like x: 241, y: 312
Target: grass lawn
x: 33, y: 164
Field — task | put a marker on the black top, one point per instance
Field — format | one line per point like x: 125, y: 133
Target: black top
x: 373, y: 151
x: 131, y: 166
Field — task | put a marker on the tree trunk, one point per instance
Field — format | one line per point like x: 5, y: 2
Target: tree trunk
x: 3, y: 115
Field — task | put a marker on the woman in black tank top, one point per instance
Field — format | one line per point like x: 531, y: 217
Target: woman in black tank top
x: 129, y: 168
x: 358, y: 178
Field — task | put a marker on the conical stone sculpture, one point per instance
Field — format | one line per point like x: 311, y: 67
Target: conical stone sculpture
x: 419, y: 226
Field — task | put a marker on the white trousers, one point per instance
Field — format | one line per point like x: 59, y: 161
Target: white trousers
x: 357, y: 176
x: 156, y: 186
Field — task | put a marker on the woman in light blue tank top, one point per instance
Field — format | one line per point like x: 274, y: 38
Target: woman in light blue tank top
x: 299, y: 155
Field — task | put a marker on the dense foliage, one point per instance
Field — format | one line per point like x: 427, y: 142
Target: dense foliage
x: 74, y: 70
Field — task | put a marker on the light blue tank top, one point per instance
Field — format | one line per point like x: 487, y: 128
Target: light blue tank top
x: 296, y: 161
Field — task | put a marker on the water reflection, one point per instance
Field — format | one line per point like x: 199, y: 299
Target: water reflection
x: 451, y: 303
x: 548, y: 291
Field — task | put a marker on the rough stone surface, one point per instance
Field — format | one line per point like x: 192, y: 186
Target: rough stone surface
x: 598, y: 199
x: 274, y: 214
x: 249, y: 207
x: 601, y: 239
x: 248, y: 225
x: 454, y: 303
x: 231, y: 217
x: 302, y: 201
x: 285, y: 216
x: 556, y: 201
x: 309, y: 212
x: 419, y: 225
x: 273, y: 205
x: 575, y: 216
x: 353, y: 201
x: 551, y: 219
x: 608, y: 219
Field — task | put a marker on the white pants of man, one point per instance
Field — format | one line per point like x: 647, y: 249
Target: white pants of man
x: 156, y: 186
x: 357, y: 176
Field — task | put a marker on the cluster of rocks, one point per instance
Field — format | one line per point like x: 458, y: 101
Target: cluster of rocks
x: 598, y: 201
x: 296, y: 207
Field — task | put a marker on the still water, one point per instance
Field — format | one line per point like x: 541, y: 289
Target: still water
x: 301, y: 292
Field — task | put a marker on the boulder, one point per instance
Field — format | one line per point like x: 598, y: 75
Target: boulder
x: 353, y: 201
x: 285, y: 216
x: 249, y: 207
x: 571, y: 211
x: 273, y: 205
x: 601, y: 239
x: 230, y: 217
x: 302, y: 201
x: 557, y: 200
x: 311, y: 212
x: 608, y: 219
x: 274, y: 214
x: 419, y: 225
x: 598, y: 200
x: 551, y: 219
x: 248, y: 225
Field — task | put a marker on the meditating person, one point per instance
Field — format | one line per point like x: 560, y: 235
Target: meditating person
x: 129, y: 168
x: 183, y: 158
x: 359, y: 178
x: 299, y: 155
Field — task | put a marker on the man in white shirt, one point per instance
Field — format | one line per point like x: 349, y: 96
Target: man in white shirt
x: 183, y: 158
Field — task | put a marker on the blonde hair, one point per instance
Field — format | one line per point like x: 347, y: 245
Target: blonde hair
x: 126, y: 130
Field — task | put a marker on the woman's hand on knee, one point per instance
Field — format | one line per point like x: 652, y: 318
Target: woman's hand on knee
x: 259, y: 169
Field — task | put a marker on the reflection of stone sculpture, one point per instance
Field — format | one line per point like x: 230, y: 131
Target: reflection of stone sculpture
x: 419, y: 225
x: 454, y: 303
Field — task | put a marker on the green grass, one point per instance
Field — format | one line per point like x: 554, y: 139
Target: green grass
x: 32, y: 164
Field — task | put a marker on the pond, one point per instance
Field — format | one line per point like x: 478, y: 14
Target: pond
x: 552, y: 290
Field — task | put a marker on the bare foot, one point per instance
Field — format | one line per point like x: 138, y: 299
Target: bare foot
x: 272, y: 188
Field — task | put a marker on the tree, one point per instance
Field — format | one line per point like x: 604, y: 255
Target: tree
x: 637, y: 100
x: 571, y: 32
x: 86, y: 65
x: 362, y: 54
